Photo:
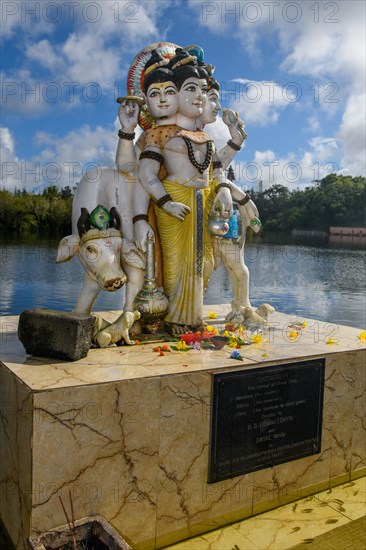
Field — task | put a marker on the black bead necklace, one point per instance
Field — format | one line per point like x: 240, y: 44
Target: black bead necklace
x: 201, y: 166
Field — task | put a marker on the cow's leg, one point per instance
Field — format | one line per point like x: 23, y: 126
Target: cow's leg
x: 233, y: 259
x: 135, y: 281
x: 120, y: 186
x: 87, y: 296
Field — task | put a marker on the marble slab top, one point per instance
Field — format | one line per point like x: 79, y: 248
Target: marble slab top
x: 317, y: 339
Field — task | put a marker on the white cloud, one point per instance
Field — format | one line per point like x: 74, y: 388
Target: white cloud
x: 292, y: 170
x: 313, y: 125
x: 322, y: 41
x: 7, y: 140
x: 219, y: 132
x: 330, y: 47
x: 24, y: 94
x: 65, y: 159
x: 62, y: 160
x: 104, y: 33
x: 261, y: 102
x: 26, y: 15
x: 9, y: 166
x: 43, y: 52
x: 324, y: 148
x: 85, y: 60
x: 101, y: 51
x: 352, y: 135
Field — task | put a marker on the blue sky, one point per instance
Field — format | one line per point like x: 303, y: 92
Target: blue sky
x: 295, y: 72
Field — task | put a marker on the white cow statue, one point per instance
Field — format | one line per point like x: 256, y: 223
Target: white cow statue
x: 102, y: 238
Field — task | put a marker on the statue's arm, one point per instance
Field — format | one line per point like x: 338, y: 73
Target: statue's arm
x: 238, y: 135
x: 237, y: 193
x: 126, y: 155
x: 149, y: 169
x: 140, y: 207
x: 140, y: 199
x: 226, y: 155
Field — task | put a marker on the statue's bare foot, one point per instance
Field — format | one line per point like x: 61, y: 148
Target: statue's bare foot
x: 264, y: 310
x: 176, y: 330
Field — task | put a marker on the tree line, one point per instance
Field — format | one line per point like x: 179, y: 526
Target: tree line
x: 333, y: 201
x: 48, y: 213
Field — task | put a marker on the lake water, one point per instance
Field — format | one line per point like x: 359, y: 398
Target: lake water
x: 310, y: 278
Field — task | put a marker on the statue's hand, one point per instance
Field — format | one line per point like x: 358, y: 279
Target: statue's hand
x: 235, y: 125
x: 142, y: 230
x: 128, y: 114
x: 223, y: 204
x: 251, y: 210
x: 176, y: 209
x: 252, y: 214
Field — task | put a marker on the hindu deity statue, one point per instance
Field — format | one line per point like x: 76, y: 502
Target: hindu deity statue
x: 178, y: 169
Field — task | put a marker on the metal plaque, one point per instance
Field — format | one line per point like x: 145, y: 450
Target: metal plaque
x: 265, y: 416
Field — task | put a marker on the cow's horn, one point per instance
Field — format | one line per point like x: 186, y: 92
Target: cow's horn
x: 83, y: 223
x: 115, y: 220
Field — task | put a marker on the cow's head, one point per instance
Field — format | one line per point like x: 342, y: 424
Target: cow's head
x: 99, y: 248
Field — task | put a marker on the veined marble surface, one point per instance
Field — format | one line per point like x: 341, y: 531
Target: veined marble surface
x: 289, y: 525
x: 127, y: 432
x: 127, y: 362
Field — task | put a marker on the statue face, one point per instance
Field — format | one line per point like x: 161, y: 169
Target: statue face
x: 212, y: 107
x: 162, y: 99
x: 192, y: 97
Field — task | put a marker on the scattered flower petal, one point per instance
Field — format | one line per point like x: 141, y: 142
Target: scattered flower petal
x: 207, y: 335
x: 191, y: 337
x: 293, y: 334
x: 161, y: 353
x: 331, y: 340
x: 298, y: 325
x: 212, y: 315
x: 362, y: 335
x: 181, y: 346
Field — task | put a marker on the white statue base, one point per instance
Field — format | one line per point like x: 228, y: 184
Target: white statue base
x: 127, y: 431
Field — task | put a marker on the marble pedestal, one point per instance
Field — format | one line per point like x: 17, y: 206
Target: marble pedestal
x: 127, y: 431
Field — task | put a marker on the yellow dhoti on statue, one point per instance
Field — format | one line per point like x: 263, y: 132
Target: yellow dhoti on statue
x: 187, y: 251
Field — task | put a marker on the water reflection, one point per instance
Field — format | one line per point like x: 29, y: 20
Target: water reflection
x: 324, y: 283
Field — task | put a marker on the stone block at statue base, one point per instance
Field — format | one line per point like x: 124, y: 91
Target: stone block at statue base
x: 127, y: 431
x: 50, y: 333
